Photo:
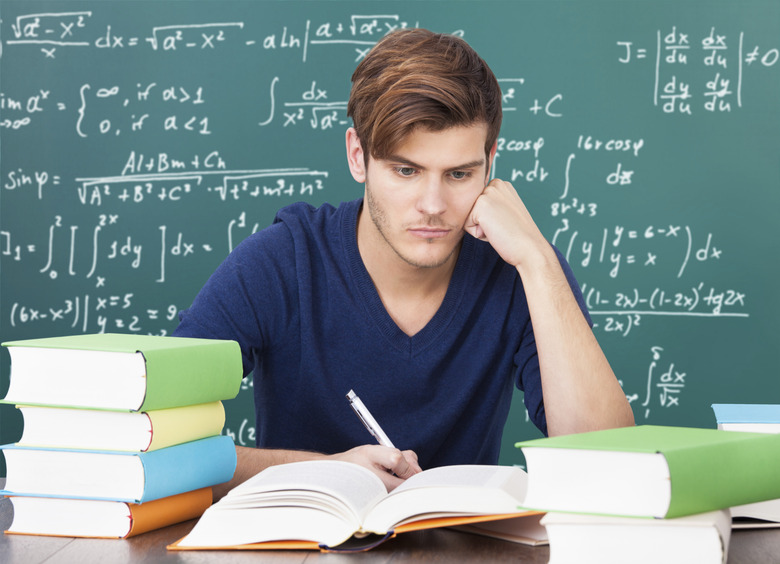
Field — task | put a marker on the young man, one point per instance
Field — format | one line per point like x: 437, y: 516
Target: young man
x: 431, y: 297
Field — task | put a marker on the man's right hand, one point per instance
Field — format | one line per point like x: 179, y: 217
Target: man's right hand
x: 393, y: 466
x: 390, y: 464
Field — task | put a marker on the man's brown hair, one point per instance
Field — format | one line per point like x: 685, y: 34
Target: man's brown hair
x: 416, y: 78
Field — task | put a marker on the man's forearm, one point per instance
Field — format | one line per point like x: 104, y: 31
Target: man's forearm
x: 580, y: 390
x: 391, y: 465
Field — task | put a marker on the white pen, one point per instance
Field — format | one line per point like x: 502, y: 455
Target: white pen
x: 368, y: 420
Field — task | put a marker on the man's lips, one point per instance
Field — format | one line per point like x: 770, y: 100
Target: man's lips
x: 429, y: 232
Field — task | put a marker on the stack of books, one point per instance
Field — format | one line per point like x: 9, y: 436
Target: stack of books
x: 647, y: 493
x: 121, y: 434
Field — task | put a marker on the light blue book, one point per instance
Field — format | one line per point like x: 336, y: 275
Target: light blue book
x: 758, y: 418
x: 133, y: 477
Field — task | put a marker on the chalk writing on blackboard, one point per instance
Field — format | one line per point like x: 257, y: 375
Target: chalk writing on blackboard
x: 170, y: 136
x: 725, y: 54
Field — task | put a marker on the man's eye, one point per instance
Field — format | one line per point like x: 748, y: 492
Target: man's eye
x: 460, y: 174
x: 405, y: 170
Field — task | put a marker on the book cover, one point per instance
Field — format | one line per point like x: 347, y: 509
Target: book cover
x: 52, y: 516
x: 123, y: 371
x: 757, y: 418
x: 526, y: 529
x: 651, y: 471
x: 135, y: 477
x: 755, y: 515
x: 140, y: 431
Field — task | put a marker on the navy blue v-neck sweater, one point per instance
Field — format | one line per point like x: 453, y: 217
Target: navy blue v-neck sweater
x: 298, y: 299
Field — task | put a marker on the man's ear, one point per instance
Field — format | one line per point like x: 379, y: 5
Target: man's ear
x: 491, y: 159
x: 357, y: 164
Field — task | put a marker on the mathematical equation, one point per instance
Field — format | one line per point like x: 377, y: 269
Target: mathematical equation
x: 625, y: 310
x: 663, y: 387
x: 730, y: 55
x: 727, y: 54
x: 95, y: 313
x: 73, y: 249
x: 110, y: 109
x: 674, y: 240
x: 56, y: 30
x: 149, y: 180
x: 173, y: 186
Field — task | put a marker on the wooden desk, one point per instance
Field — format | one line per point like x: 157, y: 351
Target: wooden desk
x: 756, y: 546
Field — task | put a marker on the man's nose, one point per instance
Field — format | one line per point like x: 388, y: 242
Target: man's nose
x: 432, y: 199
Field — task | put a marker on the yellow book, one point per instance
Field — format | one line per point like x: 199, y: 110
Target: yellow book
x: 90, y: 429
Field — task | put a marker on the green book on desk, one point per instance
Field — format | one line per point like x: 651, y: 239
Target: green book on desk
x: 651, y: 471
x: 119, y: 371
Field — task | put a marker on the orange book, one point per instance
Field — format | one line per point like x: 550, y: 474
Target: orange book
x: 65, y: 517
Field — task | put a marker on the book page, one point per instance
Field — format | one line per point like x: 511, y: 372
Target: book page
x: 320, y: 501
x: 463, y: 475
x: 449, y: 491
x: 342, y: 483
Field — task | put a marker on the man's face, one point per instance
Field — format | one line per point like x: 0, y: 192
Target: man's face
x: 419, y: 198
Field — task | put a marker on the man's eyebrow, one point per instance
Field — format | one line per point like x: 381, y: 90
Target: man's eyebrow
x: 401, y: 160
x: 404, y: 161
x: 471, y: 164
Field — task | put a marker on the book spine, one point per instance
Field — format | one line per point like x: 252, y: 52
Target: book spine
x: 189, y: 466
x: 168, y: 511
x: 184, y: 424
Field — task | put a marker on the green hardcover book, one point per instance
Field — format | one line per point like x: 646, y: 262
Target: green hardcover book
x: 123, y: 371
x: 651, y: 471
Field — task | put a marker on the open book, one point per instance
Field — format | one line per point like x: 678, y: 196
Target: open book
x: 325, y: 504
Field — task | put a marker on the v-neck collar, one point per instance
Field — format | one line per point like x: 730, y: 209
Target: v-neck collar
x: 369, y: 296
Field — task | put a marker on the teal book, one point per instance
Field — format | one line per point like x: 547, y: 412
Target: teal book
x: 651, y: 471
x: 755, y: 417
x: 127, y: 372
x: 134, y: 477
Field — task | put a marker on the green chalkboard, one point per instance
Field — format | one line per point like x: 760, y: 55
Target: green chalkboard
x: 141, y: 141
